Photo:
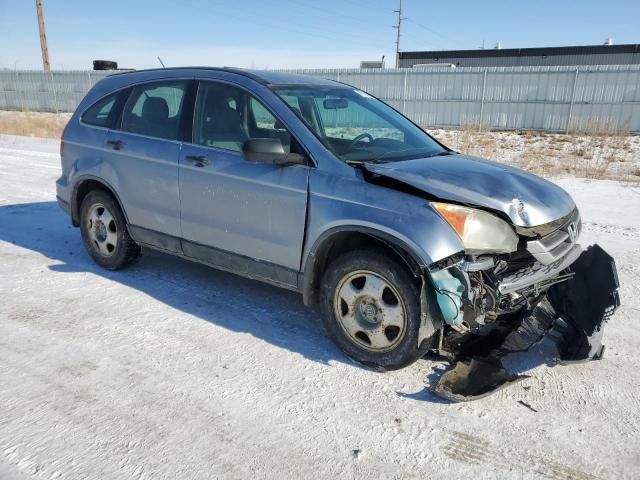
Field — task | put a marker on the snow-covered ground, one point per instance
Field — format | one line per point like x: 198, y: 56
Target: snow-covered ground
x: 171, y: 370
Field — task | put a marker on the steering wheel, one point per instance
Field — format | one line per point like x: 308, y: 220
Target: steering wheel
x: 359, y: 138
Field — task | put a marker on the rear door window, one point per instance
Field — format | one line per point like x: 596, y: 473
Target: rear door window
x: 155, y: 110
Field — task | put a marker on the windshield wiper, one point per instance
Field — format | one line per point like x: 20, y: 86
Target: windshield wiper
x: 380, y: 158
x: 440, y: 154
x: 362, y: 162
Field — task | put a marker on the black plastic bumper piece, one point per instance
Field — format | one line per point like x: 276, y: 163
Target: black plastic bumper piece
x: 584, y: 303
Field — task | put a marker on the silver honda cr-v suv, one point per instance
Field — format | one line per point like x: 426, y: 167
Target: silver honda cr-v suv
x: 319, y: 187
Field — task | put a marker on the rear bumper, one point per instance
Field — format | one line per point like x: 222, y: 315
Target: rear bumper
x: 62, y: 195
x: 64, y: 205
x: 571, y: 314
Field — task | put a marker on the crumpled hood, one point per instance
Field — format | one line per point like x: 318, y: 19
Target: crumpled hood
x: 526, y: 199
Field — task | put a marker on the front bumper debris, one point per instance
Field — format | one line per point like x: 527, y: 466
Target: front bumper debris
x: 571, y: 313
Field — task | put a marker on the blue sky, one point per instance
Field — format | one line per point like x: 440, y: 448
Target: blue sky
x: 294, y: 33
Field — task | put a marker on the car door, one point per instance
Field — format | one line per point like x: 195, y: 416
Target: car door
x: 240, y: 215
x: 146, y: 151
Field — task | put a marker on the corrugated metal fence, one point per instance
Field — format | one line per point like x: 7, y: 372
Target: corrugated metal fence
x: 45, y: 92
x: 536, y: 98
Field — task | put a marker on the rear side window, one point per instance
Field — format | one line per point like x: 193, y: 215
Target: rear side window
x: 155, y: 110
x: 99, y: 113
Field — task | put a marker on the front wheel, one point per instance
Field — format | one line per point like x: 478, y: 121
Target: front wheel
x: 371, y: 309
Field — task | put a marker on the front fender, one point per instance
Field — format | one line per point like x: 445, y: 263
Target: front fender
x: 349, y: 204
x: 338, y: 202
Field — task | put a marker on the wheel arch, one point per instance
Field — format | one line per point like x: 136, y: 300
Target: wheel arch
x: 81, y: 189
x: 346, y: 238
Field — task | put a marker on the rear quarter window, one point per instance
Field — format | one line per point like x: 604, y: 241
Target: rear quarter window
x: 99, y: 113
x: 154, y: 109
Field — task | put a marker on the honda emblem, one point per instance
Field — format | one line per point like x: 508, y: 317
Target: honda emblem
x: 572, y: 230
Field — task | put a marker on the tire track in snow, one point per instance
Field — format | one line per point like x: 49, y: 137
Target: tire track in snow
x: 573, y: 389
x: 474, y: 450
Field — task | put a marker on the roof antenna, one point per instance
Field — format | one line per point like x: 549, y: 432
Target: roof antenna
x: 161, y: 62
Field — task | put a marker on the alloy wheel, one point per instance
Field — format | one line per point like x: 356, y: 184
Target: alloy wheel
x: 102, y: 229
x: 370, y: 311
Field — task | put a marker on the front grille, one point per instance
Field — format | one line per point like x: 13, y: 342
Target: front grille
x: 537, y: 272
x: 547, y: 228
x: 555, y: 245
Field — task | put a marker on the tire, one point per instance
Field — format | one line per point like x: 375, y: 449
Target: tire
x: 365, y: 325
x: 105, y: 65
x: 104, y: 231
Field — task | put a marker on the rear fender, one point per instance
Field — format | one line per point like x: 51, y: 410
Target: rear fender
x: 78, y: 189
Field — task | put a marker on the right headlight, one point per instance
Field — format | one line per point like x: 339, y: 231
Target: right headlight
x: 479, y: 231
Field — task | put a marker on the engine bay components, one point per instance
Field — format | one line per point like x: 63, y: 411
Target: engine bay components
x: 449, y: 291
x: 570, y: 312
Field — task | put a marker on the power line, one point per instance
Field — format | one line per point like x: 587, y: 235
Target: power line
x: 431, y: 30
x: 337, y: 16
x: 286, y: 26
x: 43, y: 37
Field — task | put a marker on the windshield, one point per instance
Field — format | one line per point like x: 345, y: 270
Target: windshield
x: 357, y: 127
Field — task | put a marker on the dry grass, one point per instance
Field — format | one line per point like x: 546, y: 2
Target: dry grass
x: 596, y: 152
x: 30, y: 124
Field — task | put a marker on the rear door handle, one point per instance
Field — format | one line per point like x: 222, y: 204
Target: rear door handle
x: 198, y: 160
x: 116, y: 144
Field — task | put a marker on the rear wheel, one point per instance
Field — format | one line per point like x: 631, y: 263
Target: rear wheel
x: 104, y: 231
x: 371, y: 309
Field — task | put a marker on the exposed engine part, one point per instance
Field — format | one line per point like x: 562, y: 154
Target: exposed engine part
x: 571, y: 313
x: 470, y: 297
x: 512, y: 303
x: 477, y: 264
x: 468, y: 300
x: 501, y: 266
x: 449, y: 294
x: 479, y: 305
x: 537, y: 288
x: 484, y: 302
x: 536, y: 273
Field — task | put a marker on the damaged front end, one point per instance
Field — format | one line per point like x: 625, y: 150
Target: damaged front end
x: 519, y: 275
x: 492, y: 305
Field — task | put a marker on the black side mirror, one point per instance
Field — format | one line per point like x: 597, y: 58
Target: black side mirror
x: 269, y: 150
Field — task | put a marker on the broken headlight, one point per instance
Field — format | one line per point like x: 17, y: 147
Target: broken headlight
x: 479, y: 231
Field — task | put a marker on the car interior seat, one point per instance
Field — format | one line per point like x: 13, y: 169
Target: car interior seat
x: 222, y: 124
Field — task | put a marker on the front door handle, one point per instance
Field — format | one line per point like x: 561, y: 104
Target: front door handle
x: 198, y: 160
x: 116, y: 144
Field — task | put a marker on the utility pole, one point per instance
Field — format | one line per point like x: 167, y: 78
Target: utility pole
x: 397, y: 27
x: 43, y: 37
